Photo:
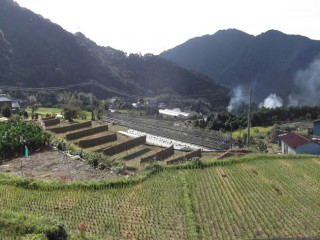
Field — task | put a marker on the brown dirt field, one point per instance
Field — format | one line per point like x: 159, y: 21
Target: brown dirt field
x: 54, y: 164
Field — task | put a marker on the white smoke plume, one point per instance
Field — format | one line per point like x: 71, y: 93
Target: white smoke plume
x: 308, y: 86
x: 239, y: 97
x: 272, y: 101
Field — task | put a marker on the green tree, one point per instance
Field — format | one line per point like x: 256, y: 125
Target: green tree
x: 34, y: 105
x: 73, y: 109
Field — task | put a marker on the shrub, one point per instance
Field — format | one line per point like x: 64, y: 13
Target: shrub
x: 12, y: 133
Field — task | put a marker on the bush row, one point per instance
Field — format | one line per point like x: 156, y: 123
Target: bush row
x: 14, y: 136
x: 86, y: 132
x: 186, y: 157
x: 97, y: 141
x: 158, y: 155
x: 71, y: 127
x: 125, y: 146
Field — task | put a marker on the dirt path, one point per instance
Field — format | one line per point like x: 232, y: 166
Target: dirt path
x: 53, y: 164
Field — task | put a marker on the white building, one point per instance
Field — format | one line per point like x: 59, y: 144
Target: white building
x: 176, y: 112
x: 293, y: 143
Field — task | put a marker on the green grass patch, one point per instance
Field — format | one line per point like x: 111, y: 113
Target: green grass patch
x: 44, y: 111
x: 253, y: 131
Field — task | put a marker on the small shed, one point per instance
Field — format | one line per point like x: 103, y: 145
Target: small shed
x: 15, y: 106
x: 293, y: 143
x: 5, y: 101
x: 316, y: 128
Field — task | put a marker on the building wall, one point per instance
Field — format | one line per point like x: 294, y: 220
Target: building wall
x: 309, y: 148
x: 316, y: 129
x: 285, y: 149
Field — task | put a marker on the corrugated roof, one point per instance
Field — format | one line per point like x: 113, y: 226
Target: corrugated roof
x: 316, y: 121
x: 295, y: 140
x: 4, y: 98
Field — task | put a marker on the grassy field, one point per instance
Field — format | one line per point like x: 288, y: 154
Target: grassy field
x: 258, y: 196
x: 51, y: 111
x: 253, y: 131
x: 44, y: 111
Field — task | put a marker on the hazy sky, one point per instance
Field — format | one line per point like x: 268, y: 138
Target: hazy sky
x: 152, y: 26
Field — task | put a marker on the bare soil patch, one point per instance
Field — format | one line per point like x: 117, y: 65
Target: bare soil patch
x: 52, y: 164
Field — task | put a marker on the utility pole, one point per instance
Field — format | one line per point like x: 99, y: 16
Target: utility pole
x: 92, y: 107
x: 249, y: 117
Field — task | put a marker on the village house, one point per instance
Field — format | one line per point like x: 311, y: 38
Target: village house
x: 316, y: 128
x: 5, y: 101
x: 293, y: 143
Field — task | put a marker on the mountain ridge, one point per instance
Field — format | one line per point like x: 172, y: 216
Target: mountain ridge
x: 269, y: 61
x: 37, y: 52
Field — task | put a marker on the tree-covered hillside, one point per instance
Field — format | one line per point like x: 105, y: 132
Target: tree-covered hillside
x: 269, y: 62
x: 36, y: 52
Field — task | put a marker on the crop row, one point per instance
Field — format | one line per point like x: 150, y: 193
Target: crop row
x: 152, y: 209
x: 257, y: 200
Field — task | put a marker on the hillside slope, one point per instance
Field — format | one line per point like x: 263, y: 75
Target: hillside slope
x: 269, y: 61
x: 36, y: 52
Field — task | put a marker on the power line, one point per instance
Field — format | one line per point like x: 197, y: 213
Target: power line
x: 29, y: 89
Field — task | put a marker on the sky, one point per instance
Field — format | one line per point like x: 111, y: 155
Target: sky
x: 153, y: 26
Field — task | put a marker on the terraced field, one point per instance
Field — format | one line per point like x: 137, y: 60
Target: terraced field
x: 99, y: 137
x: 253, y: 197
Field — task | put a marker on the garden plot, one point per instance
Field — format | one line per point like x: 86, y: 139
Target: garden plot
x: 54, y: 165
x: 162, y: 141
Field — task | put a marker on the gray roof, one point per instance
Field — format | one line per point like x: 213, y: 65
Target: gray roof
x: 5, y: 98
x: 15, y: 104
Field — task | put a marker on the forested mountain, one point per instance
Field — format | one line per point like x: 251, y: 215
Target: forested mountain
x: 36, y: 52
x: 269, y: 62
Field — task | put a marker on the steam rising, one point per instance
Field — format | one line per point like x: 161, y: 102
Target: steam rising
x: 307, y: 83
x: 272, y: 101
x: 238, y: 98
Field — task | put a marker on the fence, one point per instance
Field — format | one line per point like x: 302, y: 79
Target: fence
x: 71, y: 127
x: 158, y: 155
x: 125, y: 146
x: 51, y: 122
x: 186, y: 157
x: 86, y: 132
x: 97, y: 141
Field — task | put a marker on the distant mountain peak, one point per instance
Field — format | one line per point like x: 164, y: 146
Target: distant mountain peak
x: 269, y: 60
